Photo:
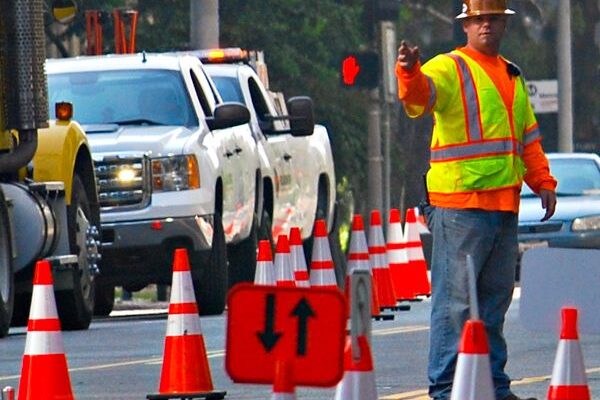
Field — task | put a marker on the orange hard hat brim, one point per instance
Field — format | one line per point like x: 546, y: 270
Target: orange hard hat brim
x: 468, y: 14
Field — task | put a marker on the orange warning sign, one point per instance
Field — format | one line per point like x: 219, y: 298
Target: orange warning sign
x: 305, y: 326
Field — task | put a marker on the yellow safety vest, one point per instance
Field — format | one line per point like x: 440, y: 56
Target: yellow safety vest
x: 477, y: 143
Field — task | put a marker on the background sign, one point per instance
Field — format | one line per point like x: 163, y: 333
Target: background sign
x: 543, y: 96
x: 305, y: 326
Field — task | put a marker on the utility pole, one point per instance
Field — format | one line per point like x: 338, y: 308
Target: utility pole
x: 375, y: 159
x: 204, y: 24
x: 389, y: 49
x: 375, y: 201
x: 565, y: 76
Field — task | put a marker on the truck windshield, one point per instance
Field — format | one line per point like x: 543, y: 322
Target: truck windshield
x: 147, y: 97
x: 229, y: 88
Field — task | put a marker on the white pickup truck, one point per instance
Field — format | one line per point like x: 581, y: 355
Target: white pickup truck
x: 175, y: 166
x: 298, y: 177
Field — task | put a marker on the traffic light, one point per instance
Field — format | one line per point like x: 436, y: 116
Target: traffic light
x: 360, y: 69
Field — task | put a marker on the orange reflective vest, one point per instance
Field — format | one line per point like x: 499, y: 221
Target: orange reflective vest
x: 477, y: 142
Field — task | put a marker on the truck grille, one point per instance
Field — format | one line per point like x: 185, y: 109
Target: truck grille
x: 123, y: 182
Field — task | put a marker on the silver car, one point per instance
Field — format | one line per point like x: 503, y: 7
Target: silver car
x: 576, y: 222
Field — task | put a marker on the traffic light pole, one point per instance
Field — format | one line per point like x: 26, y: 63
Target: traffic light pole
x: 375, y: 184
x: 389, y: 50
x: 565, y: 77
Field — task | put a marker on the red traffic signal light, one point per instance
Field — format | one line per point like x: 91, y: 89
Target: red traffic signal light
x: 360, y: 69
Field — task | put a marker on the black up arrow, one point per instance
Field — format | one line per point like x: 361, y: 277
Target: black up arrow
x: 269, y: 337
x: 303, y: 312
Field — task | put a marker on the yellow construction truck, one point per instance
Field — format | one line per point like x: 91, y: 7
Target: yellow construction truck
x: 48, y: 200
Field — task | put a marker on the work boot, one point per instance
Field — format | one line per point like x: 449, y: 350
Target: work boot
x: 513, y: 396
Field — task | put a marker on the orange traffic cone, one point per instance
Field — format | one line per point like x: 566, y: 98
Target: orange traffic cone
x: 569, y: 381
x: 283, y: 385
x: 398, y: 257
x: 264, y: 274
x: 379, y: 263
x: 185, y: 366
x: 473, y: 375
x: 298, y: 258
x: 358, y: 259
x: 284, y: 272
x: 322, y: 273
x: 416, y: 259
x: 44, y: 373
x: 358, y: 382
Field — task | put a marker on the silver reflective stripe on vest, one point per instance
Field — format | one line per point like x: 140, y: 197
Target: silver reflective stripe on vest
x: 505, y: 146
x: 432, y: 94
x: 472, y: 103
x: 531, y: 136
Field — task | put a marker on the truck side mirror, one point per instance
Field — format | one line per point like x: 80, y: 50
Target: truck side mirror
x: 227, y: 115
x: 302, y: 121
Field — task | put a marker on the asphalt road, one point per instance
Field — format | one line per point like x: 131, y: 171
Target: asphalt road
x: 121, y: 358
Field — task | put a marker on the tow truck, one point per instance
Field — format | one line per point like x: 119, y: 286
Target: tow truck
x: 48, y: 200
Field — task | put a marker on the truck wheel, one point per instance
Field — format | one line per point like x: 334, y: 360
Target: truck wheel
x: 7, y: 288
x: 242, y: 257
x: 76, y: 306
x: 104, y: 299
x: 210, y: 280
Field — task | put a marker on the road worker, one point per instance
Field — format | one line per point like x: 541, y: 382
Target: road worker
x: 485, y: 143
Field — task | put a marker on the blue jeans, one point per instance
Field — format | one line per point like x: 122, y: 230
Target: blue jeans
x: 490, y: 237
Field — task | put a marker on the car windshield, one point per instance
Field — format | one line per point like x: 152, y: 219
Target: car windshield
x: 229, y: 88
x: 575, y: 176
x: 146, y: 97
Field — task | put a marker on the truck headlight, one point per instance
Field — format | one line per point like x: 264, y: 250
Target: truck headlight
x: 175, y: 173
x: 586, y: 223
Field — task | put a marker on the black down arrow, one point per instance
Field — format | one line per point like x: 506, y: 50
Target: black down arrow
x: 269, y: 337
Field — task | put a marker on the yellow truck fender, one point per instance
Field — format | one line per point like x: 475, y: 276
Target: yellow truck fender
x: 62, y: 151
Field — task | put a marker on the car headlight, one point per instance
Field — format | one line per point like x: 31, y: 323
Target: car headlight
x: 586, y: 223
x: 175, y: 173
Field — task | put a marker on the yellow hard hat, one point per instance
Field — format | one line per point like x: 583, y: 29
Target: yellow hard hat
x: 472, y: 8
